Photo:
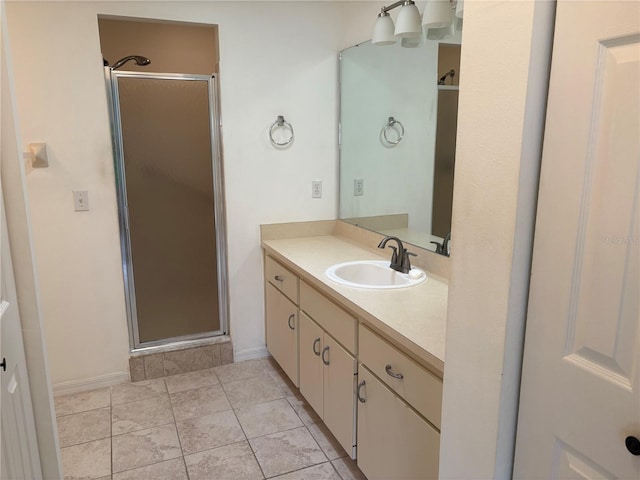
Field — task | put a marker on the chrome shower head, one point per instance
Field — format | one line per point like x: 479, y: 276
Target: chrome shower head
x: 141, y: 61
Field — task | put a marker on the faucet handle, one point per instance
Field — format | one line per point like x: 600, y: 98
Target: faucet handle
x: 406, y: 262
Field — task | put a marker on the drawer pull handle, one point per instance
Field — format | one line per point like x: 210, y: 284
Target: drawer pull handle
x: 324, y: 360
x: 316, y: 342
x: 291, y: 318
x: 392, y: 374
x: 360, y: 385
x: 278, y: 278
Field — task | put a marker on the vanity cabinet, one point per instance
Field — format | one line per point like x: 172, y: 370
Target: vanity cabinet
x: 281, y: 296
x: 399, y: 409
x: 327, y: 367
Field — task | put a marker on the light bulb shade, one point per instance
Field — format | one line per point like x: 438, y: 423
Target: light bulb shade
x: 383, y: 31
x: 448, y: 31
x: 411, y: 42
x: 437, y: 14
x: 408, y: 22
x: 460, y: 8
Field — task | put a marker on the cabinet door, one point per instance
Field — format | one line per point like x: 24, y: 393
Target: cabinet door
x: 282, y: 333
x: 339, y: 392
x: 310, y: 363
x: 393, y: 441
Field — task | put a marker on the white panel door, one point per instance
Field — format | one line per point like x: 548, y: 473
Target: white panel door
x: 580, y: 394
x: 20, y: 458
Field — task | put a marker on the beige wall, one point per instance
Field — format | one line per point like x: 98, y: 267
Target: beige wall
x: 16, y: 205
x: 505, y: 58
x: 171, y: 47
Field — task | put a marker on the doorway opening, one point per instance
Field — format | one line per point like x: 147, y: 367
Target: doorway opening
x: 162, y: 84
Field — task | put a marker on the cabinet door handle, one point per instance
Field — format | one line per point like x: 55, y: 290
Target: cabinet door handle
x: 360, y: 385
x: 324, y: 360
x: 291, y: 318
x: 393, y: 374
x: 316, y: 342
x: 278, y: 278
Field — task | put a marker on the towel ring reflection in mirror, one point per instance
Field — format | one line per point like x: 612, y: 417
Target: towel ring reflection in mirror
x: 395, y: 125
x: 281, y: 123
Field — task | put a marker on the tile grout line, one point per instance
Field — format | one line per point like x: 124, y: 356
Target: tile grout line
x: 243, y: 432
x: 275, y: 477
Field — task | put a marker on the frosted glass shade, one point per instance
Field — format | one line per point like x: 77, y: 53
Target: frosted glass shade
x: 437, y: 14
x: 408, y: 22
x: 383, y: 31
x: 411, y: 42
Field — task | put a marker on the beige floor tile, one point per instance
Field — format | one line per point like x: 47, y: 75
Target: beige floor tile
x: 210, y: 431
x: 170, y: 470
x: 324, y: 471
x: 82, y: 402
x: 145, y: 447
x: 140, y: 415
x: 267, y: 417
x: 252, y: 390
x: 285, y: 452
x: 88, y: 460
x: 348, y: 469
x: 307, y: 414
x: 84, y: 427
x: 231, y: 462
x: 284, y: 383
x: 328, y: 443
x: 191, y: 380
x: 270, y: 365
x: 240, y: 370
x: 199, y: 402
x: 133, y: 392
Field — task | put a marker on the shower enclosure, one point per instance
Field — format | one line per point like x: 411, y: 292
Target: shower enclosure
x: 170, y: 201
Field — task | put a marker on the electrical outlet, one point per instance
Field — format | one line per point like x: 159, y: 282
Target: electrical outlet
x: 80, y: 200
x: 316, y: 189
x: 358, y: 187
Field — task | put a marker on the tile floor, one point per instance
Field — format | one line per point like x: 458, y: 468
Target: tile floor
x: 239, y: 421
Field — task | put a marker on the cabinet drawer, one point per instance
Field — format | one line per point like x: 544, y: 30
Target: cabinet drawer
x: 419, y: 387
x: 340, y: 325
x: 281, y: 278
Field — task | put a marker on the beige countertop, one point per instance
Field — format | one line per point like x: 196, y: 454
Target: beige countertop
x: 414, y: 317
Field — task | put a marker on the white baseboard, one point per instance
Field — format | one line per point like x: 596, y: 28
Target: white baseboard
x: 75, y: 386
x: 250, y: 354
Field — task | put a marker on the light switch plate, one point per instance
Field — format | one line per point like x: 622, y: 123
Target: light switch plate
x: 316, y: 189
x: 80, y: 200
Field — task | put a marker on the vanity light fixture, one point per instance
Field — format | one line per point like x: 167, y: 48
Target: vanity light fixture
x: 439, y: 20
x: 408, y: 23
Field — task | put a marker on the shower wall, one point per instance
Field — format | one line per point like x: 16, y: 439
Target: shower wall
x: 172, y: 47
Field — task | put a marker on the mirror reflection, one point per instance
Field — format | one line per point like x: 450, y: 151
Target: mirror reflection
x: 398, y: 114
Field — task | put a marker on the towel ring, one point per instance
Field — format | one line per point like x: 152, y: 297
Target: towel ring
x: 392, y: 124
x: 281, y: 122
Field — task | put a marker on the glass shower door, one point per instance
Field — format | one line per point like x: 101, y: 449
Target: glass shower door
x: 170, y: 206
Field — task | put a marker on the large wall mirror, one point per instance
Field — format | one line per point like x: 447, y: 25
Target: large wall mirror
x: 398, y: 116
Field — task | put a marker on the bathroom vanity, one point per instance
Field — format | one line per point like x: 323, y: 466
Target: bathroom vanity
x: 368, y: 361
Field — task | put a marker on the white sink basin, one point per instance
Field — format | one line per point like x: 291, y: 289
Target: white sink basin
x: 374, y: 274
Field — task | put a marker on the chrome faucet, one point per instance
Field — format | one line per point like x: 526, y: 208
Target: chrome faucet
x: 400, y: 258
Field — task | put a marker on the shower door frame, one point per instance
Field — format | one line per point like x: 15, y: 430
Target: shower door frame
x: 112, y: 77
